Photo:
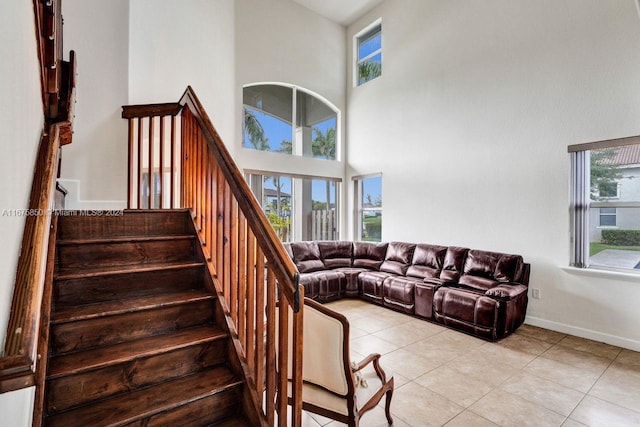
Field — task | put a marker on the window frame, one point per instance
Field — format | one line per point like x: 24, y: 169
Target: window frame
x: 297, y: 182
x: 359, y: 38
x: 581, y: 201
x: 359, y: 205
x: 613, y: 214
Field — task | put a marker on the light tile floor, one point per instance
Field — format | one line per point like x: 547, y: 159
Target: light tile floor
x: 535, y: 377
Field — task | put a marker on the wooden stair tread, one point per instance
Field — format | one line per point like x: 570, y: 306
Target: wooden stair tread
x: 112, y: 308
x: 87, y: 360
x: 124, y: 239
x: 138, y: 405
x: 121, y: 269
x: 233, y: 422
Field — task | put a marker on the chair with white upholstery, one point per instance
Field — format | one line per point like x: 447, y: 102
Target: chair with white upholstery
x: 334, y: 387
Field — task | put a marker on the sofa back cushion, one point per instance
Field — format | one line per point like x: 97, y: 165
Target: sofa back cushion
x: 427, y: 261
x: 369, y: 255
x: 484, y: 270
x: 453, y: 263
x: 306, y: 255
x: 336, y: 254
x: 398, y: 258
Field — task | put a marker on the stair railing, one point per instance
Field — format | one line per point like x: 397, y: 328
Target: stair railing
x: 24, y: 344
x: 178, y: 160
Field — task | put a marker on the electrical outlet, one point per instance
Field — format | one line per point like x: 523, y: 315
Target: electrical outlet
x: 535, y: 293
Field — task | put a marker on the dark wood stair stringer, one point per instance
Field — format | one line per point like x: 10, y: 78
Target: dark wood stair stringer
x: 137, y: 333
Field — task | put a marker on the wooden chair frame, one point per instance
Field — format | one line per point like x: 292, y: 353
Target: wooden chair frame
x: 354, y: 413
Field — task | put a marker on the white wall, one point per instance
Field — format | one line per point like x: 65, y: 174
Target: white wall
x: 283, y: 42
x: 96, y: 161
x: 176, y: 43
x: 21, y: 121
x: 470, y: 123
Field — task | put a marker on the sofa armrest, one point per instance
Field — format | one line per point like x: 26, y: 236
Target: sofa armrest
x: 506, y: 291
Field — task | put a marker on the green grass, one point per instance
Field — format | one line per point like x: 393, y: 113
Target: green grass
x: 596, y: 247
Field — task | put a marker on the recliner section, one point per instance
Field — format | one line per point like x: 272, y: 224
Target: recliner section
x: 480, y: 292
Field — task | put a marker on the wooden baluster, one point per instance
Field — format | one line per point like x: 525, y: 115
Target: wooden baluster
x: 233, y: 260
x: 161, y: 165
x: 261, y: 319
x: 150, y: 172
x: 271, y: 342
x: 139, y: 183
x: 227, y: 237
x: 283, y: 354
x: 252, y: 335
x: 242, y: 284
x: 296, y: 368
x: 220, y: 230
x: 130, y: 168
x: 172, y: 201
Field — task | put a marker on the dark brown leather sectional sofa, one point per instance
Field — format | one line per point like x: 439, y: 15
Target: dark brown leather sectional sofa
x: 479, y: 292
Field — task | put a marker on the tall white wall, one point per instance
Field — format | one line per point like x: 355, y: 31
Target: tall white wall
x: 21, y: 121
x: 470, y: 124
x: 94, y: 166
x: 280, y: 41
x: 176, y: 43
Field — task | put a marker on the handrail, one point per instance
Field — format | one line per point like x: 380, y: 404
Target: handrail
x: 249, y: 266
x: 286, y: 271
x: 18, y: 365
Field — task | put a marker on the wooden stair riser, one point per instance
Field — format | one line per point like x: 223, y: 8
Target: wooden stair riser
x: 203, y: 412
x: 141, y: 405
x: 131, y: 223
x: 74, y: 257
x: 82, y: 335
x: 79, y: 389
x: 110, y: 287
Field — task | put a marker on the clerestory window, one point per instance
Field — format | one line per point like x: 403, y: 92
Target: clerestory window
x: 289, y: 120
x: 368, y: 61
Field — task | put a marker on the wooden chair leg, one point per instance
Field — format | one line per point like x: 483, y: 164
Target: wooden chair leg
x: 387, y: 404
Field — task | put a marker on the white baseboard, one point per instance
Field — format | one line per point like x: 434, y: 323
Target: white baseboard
x: 583, y: 333
x: 74, y: 202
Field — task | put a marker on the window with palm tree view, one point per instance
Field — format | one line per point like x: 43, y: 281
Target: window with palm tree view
x: 298, y: 208
x: 369, y: 54
x: 289, y: 120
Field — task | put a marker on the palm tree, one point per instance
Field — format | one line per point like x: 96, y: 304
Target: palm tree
x: 255, y: 131
x: 324, y: 144
x: 369, y: 70
x: 285, y: 147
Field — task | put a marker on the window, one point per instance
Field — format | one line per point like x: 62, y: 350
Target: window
x: 607, y: 217
x: 368, y: 192
x: 605, y: 204
x: 369, y: 53
x: 298, y: 207
x: 289, y: 120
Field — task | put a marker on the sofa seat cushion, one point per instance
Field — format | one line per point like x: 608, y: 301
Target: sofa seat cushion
x: 467, y: 310
x: 398, y: 258
x: 336, y: 254
x: 369, y: 255
x: 311, y: 284
x: 477, y: 282
x: 370, y: 283
x: 427, y: 262
x: 398, y: 292
x: 306, y: 256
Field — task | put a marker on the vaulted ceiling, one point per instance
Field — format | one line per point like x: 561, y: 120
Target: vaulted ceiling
x: 343, y: 12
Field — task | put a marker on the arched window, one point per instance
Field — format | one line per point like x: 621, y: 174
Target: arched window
x: 289, y: 120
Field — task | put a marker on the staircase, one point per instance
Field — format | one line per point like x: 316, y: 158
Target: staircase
x: 137, y: 337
